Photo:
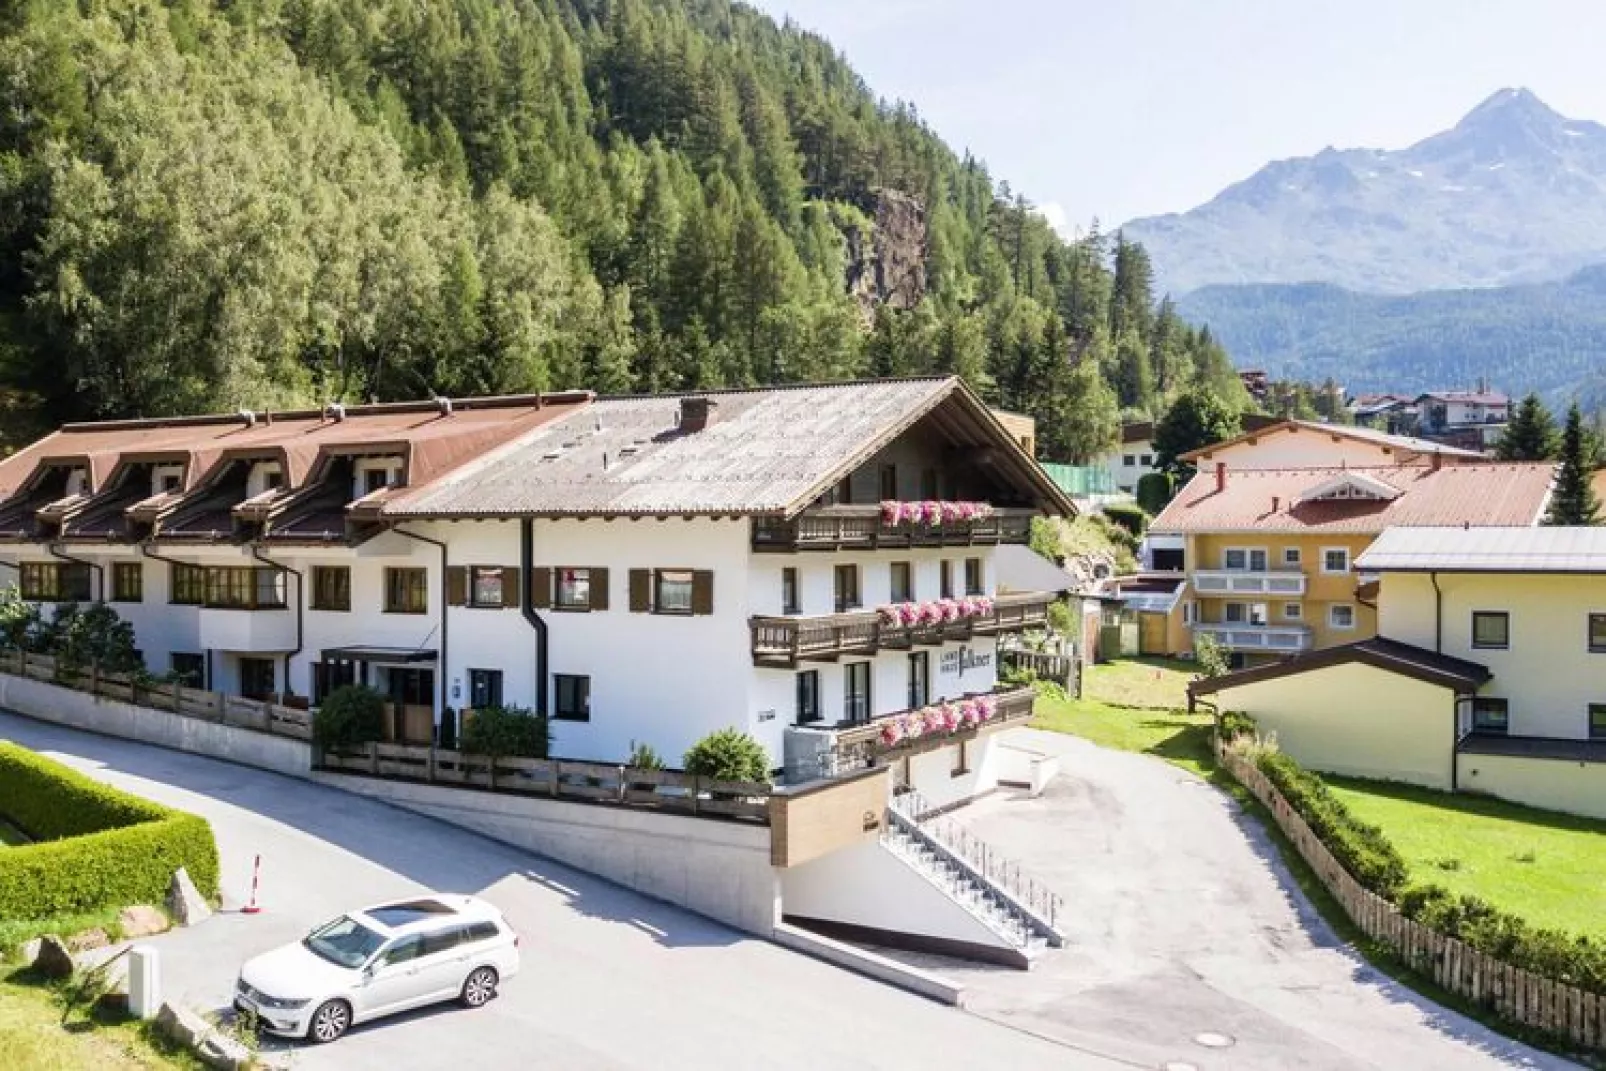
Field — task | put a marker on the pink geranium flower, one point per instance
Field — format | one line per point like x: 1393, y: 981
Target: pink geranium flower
x: 891, y: 733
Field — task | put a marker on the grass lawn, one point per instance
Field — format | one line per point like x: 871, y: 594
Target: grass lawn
x: 1550, y: 868
x: 1141, y: 682
x: 1172, y: 735
x: 32, y: 1035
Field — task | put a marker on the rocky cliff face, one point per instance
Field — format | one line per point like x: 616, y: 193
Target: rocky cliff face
x: 888, y: 265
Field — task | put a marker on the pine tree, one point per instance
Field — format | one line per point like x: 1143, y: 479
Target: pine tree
x: 1573, y: 501
x: 1531, y: 434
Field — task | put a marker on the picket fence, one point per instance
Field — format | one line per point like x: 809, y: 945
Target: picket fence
x: 1516, y: 995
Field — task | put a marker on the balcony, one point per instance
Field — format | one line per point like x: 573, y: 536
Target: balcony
x: 783, y: 642
x: 1242, y: 582
x: 814, y: 751
x: 263, y: 631
x: 1279, y: 639
x: 864, y: 528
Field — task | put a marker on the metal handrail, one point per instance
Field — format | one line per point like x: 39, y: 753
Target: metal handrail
x: 994, y: 866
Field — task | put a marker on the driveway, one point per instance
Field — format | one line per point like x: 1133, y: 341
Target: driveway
x: 611, y: 979
x: 1184, y: 922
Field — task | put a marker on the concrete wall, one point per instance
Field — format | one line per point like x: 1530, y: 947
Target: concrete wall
x: 718, y: 869
x: 1553, y: 784
x: 80, y: 710
x: 1548, y: 674
x: 867, y: 885
x: 1357, y: 720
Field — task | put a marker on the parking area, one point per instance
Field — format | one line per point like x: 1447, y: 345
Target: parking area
x: 611, y: 979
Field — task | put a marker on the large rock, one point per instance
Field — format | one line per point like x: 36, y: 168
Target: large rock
x: 887, y: 265
x: 185, y: 902
x: 53, y: 960
x: 141, y: 921
x: 225, y: 1054
x: 183, y: 1025
x: 88, y: 940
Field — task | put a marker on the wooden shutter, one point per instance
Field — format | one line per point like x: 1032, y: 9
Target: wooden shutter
x: 702, y: 592
x: 510, y: 587
x: 599, y: 588
x: 456, y: 585
x: 540, y: 588
x: 640, y: 591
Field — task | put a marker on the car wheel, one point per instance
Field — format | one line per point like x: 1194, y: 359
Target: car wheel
x: 479, y: 987
x: 332, y: 1019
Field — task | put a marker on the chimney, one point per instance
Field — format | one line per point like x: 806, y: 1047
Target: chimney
x: 249, y: 417
x: 1436, y: 460
x: 1221, y: 476
x: 443, y: 405
x: 334, y: 411
x: 697, y: 414
x: 1276, y: 503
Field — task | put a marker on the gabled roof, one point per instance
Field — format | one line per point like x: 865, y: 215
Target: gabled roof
x: 765, y: 452
x: 1470, y: 397
x: 1269, y: 500
x: 1405, y: 659
x: 1487, y: 550
x: 1351, y: 485
x: 1402, y: 448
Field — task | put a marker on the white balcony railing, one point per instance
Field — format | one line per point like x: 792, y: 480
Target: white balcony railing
x: 1241, y: 582
x: 1284, y: 639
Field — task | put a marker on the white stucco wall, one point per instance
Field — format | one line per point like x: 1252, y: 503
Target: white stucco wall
x: 1297, y: 449
x: 1552, y: 784
x: 1357, y: 720
x: 1548, y: 675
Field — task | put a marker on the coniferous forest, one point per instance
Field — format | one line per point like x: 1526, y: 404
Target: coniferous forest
x: 208, y: 204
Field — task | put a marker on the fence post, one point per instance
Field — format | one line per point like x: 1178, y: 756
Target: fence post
x: 373, y: 758
x: 555, y: 775
x: 429, y: 774
x: 696, y: 791
x: 621, y: 784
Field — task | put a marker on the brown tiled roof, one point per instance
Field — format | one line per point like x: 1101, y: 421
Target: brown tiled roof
x: 769, y: 451
x: 1267, y: 500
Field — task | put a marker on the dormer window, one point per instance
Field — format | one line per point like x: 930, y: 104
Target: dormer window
x: 375, y: 474
x: 375, y: 479
x: 1351, y: 487
x: 265, y: 476
x: 77, y: 483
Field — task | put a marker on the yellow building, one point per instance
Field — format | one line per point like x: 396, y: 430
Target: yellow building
x: 1489, y: 675
x: 1268, y: 555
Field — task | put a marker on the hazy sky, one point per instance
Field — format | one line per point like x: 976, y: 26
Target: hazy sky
x: 1125, y: 108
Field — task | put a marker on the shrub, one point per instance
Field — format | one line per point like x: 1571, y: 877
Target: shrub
x: 1155, y: 490
x: 1129, y: 517
x: 643, y: 757
x: 97, y: 847
x: 352, y: 715
x: 728, y: 755
x: 1209, y: 655
x: 506, y: 732
x: 1362, y: 848
x: 94, y: 636
x: 1236, y: 723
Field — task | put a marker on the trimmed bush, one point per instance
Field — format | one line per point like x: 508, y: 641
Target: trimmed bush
x: 1155, y: 491
x: 507, y: 732
x: 1235, y: 724
x: 1129, y: 517
x: 97, y: 847
x: 1362, y: 848
x: 350, y: 716
x: 728, y: 755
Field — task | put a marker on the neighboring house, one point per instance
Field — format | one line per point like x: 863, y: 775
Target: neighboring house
x: 645, y: 569
x: 1439, y: 412
x: 1134, y: 458
x: 1269, y: 554
x: 1022, y: 428
x: 1304, y: 444
x: 1488, y: 674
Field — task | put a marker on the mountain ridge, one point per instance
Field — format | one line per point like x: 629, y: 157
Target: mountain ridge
x: 1514, y: 193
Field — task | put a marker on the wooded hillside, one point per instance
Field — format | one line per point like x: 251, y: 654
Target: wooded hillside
x: 207, y: 204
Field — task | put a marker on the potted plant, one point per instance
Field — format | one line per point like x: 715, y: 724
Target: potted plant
x: 643, y: 758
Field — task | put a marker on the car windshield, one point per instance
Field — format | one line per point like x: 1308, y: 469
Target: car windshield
x: 345, y: 942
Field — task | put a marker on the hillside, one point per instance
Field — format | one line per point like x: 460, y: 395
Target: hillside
x: 1545, y: 337
x: 1515, y: 193
x: 207, y: 204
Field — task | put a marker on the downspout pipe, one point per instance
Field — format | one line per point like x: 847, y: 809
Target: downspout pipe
x: 55, y: 551
x: 1438, y: 614
x: 301, y: 608
x: 446, y: 617
x: 146, y: 551
x: 526, y: 560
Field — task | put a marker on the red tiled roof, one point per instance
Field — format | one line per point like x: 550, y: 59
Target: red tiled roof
x: 1490, y: 495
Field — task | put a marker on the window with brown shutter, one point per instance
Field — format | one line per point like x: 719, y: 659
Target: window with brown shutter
x: 540, y: 588
x: 702, y: 592
x: 599, y: 588
x: 510, y: 587
x: 640, y: 591
x: 456, y: 586
x: 486, y: 587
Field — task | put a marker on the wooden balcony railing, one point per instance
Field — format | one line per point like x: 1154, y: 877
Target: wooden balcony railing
x: 783, y: 642
x: 862, y: 528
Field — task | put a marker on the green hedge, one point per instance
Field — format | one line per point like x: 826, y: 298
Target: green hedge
x: 99, y: 847
x: 1362, y: 848
x: 1374, y: 861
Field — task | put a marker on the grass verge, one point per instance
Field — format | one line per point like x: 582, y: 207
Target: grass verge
x: 34, y: 1035
x: 13, y: 932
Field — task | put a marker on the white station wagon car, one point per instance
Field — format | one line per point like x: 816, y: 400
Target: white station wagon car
x: 379, y: 961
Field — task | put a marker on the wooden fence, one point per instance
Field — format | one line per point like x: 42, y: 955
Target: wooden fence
x: 231, y: 710
x: 1059, y: 668
x: 663, y: 790
x: 1514, y: 994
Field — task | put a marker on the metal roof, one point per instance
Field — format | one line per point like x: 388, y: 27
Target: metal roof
x: 765, y: 451
x: 1487, y: 550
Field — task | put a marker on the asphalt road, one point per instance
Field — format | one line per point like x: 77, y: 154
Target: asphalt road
x: 1185, y: 923
x: 611, y: 979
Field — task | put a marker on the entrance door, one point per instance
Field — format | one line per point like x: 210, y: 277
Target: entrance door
x: 256, y: 678
x: 412, y: 697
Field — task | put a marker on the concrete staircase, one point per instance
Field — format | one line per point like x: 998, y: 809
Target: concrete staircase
x: 1009, y: 902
